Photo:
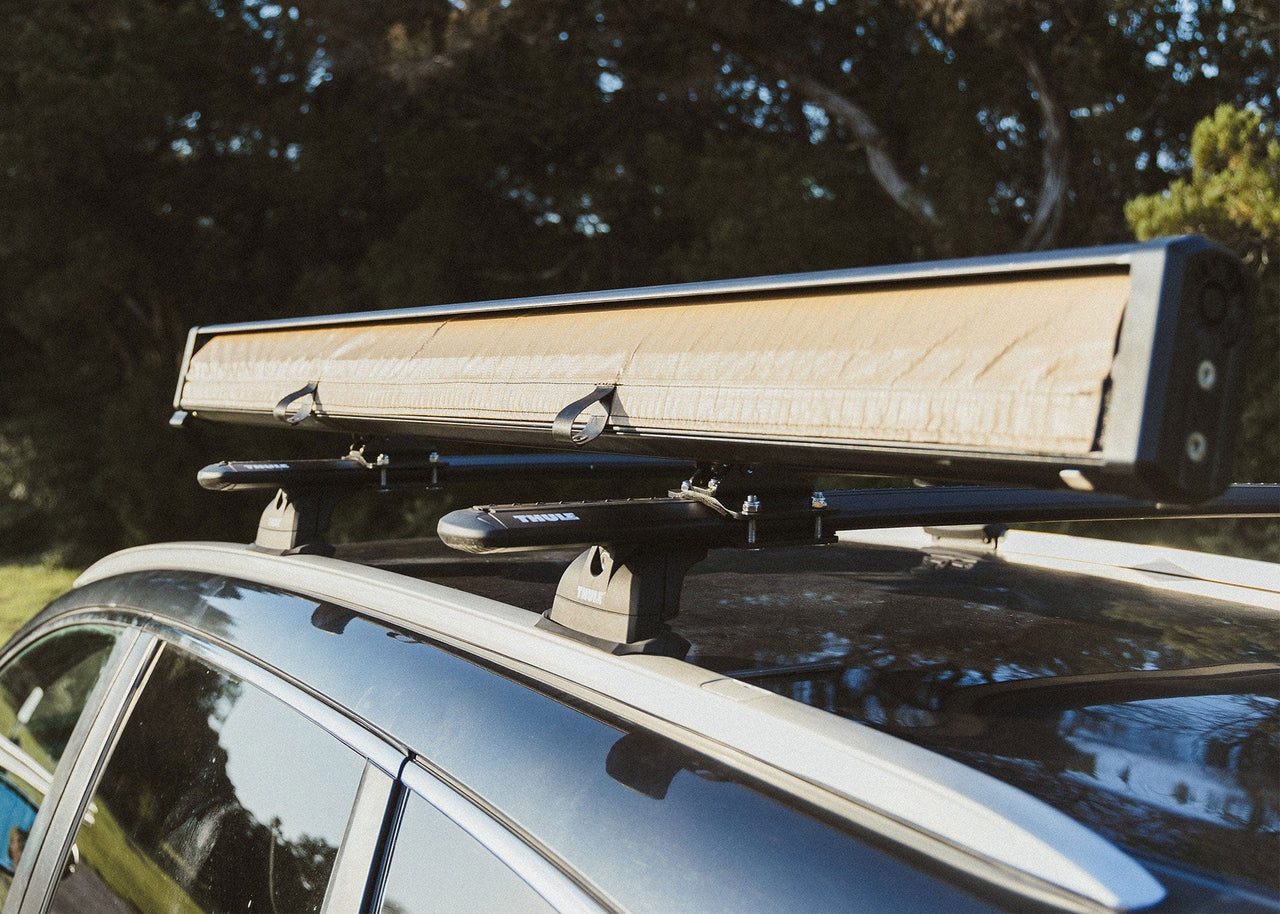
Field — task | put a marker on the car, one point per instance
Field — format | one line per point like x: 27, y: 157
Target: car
x: 746, y: 694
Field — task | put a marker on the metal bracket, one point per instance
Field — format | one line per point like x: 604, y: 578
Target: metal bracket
x: 783, y: 495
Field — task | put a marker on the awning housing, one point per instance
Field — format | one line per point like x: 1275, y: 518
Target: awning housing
x: 1118, y: 369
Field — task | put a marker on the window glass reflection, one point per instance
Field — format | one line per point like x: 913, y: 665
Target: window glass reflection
x: 437, y: 866
x: 218, y: 797
x: 42, y: 693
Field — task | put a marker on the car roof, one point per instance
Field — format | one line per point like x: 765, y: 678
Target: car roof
x: 846, y: 766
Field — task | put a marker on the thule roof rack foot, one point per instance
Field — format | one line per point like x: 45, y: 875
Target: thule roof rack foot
x: 619, y: 599
x: 295, y: 522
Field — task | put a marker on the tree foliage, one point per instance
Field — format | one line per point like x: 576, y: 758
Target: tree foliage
x: 165, y: 163
x: 1232, y: 195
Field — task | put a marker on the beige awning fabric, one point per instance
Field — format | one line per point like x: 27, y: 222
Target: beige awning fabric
x: 1016, y: 363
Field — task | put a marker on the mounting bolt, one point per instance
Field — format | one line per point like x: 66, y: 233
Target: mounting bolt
x: 818, y: 501
x: 751, y: 507
x: 1207, y: 375
x: 1197, y: 447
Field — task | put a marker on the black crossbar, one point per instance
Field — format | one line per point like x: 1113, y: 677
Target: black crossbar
x: 680, y: 519
x: 426, y: 470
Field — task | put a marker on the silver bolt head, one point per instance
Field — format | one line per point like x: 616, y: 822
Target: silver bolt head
x: 1197, y: 447
x: 751, y: 505
x: 1207, y: 375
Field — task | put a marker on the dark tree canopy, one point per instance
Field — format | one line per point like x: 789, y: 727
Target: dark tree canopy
x: 167, y: 163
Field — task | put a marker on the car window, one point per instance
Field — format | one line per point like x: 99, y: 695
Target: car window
x: 436, y: 866
x: 43, y: 692
x: 217, y: 796
x: 647, y: 822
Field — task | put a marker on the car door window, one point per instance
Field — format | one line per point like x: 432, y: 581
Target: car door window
x: 437, y: 866
x: 43, y: 692
x: 217, y: 797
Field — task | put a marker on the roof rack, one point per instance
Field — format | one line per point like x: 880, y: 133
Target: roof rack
x: 1113, y: 376
x: 1114, y: 369
x: 621, y: 593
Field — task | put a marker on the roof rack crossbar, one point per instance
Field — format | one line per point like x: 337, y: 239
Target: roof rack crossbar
x: 619, y: 594
x: 683, y: 518
x: 296, y: 520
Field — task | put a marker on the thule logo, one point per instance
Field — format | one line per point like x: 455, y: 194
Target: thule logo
x: 546, y: 518
x: 591, y: 596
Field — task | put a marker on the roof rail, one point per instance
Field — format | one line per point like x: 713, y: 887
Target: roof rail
x: 1115, y: 369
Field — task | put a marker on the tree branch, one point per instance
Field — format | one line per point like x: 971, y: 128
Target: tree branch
x: 853, y: 116
x: 1051, y: 207
x: 884, y: 169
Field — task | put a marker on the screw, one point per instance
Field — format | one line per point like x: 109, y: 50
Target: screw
x: 1207, y: 375
x: 751, y: 507
x: 819, y: 500
x: 1197, y: 447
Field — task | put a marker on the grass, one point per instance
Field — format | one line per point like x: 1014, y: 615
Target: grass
x: 25, y: 589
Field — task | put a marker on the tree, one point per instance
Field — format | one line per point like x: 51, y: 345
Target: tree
x: 1233, y: 196
x: 165, y: 163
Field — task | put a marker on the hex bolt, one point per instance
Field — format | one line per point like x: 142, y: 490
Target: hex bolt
x: 382, y: 462
x: 751, y: 507
x: 1197, y: 447
x: 1207, y: 375
x: 818, y: 501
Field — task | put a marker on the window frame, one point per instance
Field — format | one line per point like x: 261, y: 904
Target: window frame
x: 51, y: 837
x: 556, y: 886
x: 367, y: 844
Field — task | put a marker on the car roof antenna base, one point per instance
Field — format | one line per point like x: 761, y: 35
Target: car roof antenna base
x: 619, y: 598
